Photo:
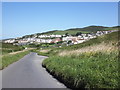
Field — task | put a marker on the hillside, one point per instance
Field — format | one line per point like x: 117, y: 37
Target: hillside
x: 92, y: 64
x: 8, y: 48
x: 73, y: 31
x: 88, y: 29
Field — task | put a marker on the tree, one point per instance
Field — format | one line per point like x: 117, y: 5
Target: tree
x: 78, y: 33
x: 69, y: 42
x: 66, y: 34
x: 60, y: 42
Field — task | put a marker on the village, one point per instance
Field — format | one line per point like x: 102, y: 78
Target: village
x: 65, y: 39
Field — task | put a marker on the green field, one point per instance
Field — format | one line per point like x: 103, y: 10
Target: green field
x: 69, y: 32
x: 92, y: 64
x: 8, y: 48
x: 73, y: 31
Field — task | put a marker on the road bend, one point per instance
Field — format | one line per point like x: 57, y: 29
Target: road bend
x: 28, y: 73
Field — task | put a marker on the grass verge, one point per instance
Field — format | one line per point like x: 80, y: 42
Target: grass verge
x: 9, y: 59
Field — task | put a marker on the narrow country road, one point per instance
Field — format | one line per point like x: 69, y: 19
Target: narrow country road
x: 28, y: 73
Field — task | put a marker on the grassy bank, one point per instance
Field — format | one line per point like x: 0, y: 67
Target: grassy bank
x: 11, y: 53
x: 92, y: 64
x: 87, y: 70
x: 10, y: 58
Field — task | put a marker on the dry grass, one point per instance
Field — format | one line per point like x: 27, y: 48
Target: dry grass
x: 45, y: 50
x: 13, y: 53
x: 18, y: 52
x: 103, y: 47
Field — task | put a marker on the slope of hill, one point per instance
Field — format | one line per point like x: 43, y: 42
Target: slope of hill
x: 89, y: 28
x: 92, y: 64
x: 73, y: 31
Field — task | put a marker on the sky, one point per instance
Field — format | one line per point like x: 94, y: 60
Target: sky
x: 24, y: 18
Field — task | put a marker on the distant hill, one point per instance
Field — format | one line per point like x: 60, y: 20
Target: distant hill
x: 73, y: 31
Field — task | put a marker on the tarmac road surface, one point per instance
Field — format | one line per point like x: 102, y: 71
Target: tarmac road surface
x: 28, y: 73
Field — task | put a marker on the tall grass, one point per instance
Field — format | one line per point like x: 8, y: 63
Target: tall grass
x: 102, y: 47
x: 92, y: 64
x: 87, y: 70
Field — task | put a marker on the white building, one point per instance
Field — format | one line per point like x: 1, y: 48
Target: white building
x: 10, y: 41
